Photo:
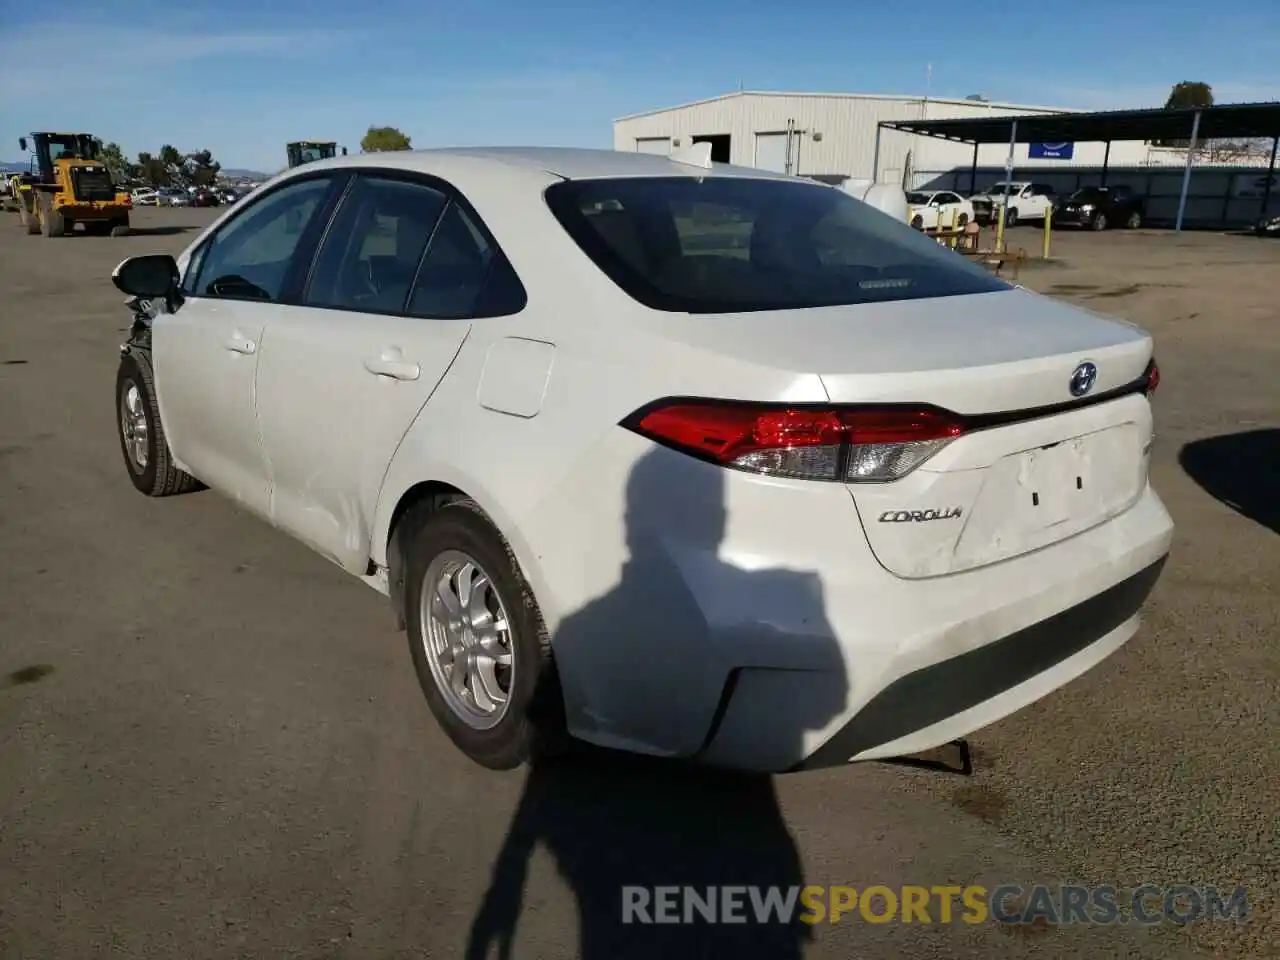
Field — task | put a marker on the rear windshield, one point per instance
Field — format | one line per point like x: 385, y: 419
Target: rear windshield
x: 730, y: 245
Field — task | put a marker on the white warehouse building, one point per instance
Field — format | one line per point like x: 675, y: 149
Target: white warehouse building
x: 834, y: 136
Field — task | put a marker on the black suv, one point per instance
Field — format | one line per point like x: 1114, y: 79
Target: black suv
x: 1101, y: 207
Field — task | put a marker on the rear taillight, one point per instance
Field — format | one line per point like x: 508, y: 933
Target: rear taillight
x: 1153, y: 378
x: 849, y: 444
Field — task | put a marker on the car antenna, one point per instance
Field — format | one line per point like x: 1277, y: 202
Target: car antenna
x: 695, y: 155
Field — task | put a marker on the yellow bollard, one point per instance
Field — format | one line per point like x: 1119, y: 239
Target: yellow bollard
x: 999, y: 215
x: 951, y: 240
x: 1048, y: 231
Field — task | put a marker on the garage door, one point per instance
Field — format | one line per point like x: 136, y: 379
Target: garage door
x: 771, y: 152
x: 661, y: 145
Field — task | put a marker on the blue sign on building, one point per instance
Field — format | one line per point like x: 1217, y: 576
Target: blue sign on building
x: 1051, y: 151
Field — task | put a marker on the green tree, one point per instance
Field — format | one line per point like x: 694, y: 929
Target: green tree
x: 201, y: 168
x: 153, y: 170
x: 379, y: 139
x: 1184, y: 95
x: 113, y: 159
x: 1189, y: 93
x: 170, y: 156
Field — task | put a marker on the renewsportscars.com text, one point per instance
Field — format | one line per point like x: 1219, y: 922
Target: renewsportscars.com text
x: 1009, y: 904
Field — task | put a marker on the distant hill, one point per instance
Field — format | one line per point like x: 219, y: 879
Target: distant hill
x: 15, y: 166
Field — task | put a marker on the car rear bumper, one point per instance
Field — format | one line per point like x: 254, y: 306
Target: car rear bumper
x: 744, y: 622
x: 946, y: 700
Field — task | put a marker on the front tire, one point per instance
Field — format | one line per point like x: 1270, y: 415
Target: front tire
x: 1011, y: 218
x: 142, y: 439
x: 51, y: 221
x: 1099, y: 221
x: 477, y: 639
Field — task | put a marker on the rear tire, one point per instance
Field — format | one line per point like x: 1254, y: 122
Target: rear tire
x: 918, y: 222
x: 120, y: 229
x: 1134, y: 221
x: 529, y: 724
x: 142, y: 439
x: 1011, y: 218
x: 962, y: 220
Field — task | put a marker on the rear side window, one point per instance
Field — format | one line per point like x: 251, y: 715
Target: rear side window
x: 371, y: 251
x: 728, y: 245
x: 464, y: 274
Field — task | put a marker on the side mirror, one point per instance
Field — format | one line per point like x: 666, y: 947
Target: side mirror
x: 22, y: 144
x: 152, y: 277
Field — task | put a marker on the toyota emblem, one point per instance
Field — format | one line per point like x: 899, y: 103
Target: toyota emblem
x: 1083, y: 379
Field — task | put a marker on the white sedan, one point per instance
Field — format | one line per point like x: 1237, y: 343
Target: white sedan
x: 685, y: 459
x: 934, y: 209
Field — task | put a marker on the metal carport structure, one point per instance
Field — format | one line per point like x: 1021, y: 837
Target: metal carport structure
x: 1194, y: 124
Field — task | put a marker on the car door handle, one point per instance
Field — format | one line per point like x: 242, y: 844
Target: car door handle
x: 390, y: 365
x: 238, y: 344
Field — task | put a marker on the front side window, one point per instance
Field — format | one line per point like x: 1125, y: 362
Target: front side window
x: 249, y: 258
x: 371, y: 251
x: 729, y: 244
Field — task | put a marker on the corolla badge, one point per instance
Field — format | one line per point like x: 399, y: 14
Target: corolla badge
x: 1083, y: 379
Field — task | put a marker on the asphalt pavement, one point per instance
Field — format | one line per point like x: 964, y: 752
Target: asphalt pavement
x: 212, y: 743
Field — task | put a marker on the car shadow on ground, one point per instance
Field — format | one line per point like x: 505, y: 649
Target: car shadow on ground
x: 1241, y: 470
x: 618, y: 826
x: 166, y: 231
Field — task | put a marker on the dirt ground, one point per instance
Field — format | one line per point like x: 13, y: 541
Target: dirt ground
x: 213, y: 745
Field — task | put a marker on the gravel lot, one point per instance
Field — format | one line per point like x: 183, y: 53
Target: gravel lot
x: 213, y: 745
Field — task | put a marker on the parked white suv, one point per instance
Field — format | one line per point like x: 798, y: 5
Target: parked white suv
x: 1027, y: 201
x: 680, y: 458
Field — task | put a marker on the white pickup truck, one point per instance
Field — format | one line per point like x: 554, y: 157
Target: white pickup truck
x: 1027, y: 201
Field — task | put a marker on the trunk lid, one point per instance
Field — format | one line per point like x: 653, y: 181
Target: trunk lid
x: 1044, y: 470
x: 1036, y: 464
x: 983, y: 353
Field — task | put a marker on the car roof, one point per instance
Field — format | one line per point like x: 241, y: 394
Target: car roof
x: 569, y: 163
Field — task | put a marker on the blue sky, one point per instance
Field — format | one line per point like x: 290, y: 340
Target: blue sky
x: 242, y: 77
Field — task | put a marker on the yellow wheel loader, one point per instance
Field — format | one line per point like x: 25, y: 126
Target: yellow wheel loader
x: 308, y: 151
x: 69, y: 184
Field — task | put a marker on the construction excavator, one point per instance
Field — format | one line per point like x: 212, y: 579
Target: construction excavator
x: 308, y: 151
x: 69, y: 184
